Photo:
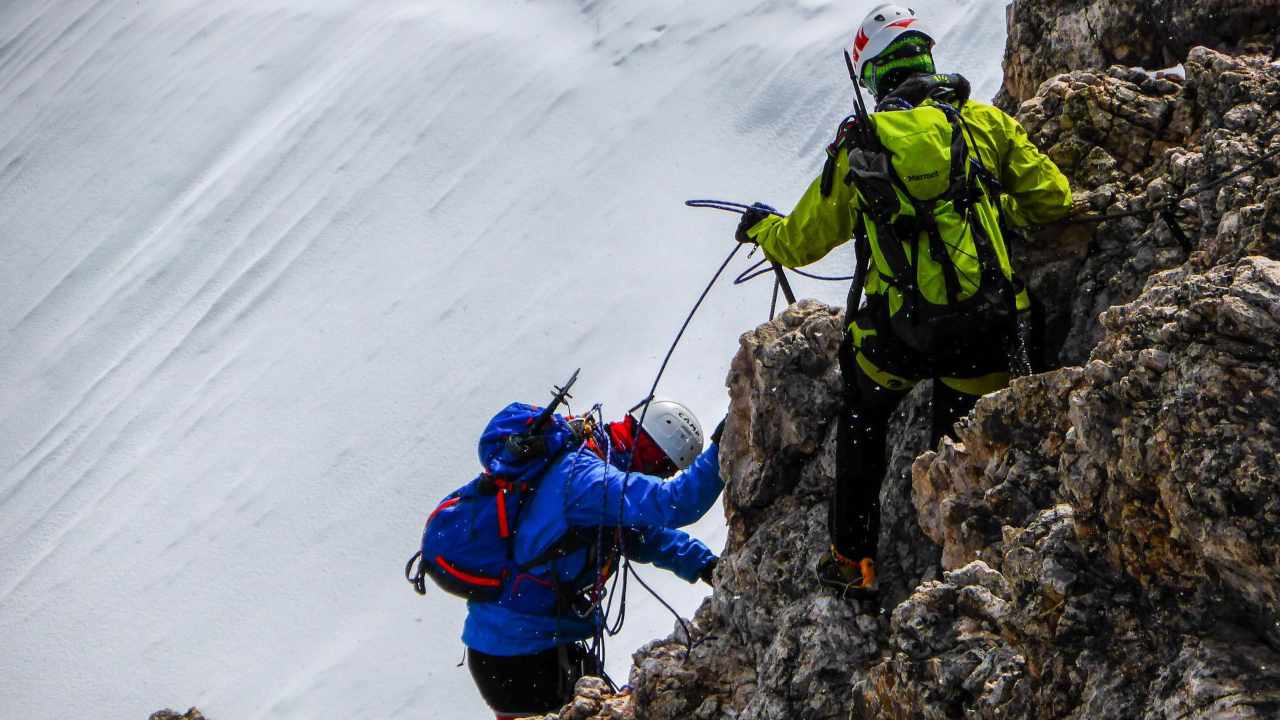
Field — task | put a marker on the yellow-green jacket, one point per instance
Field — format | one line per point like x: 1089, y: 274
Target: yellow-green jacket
x: 1035, y: 192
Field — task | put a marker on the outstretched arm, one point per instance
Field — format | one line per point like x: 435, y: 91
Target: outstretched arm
x: 1036, y: 191
x: 816, y: 225
x: 669, y: 549
x: 600, y: 494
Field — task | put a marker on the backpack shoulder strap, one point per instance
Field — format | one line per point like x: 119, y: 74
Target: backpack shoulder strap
x: 530, y: 486
x: 862, y: 264
x: 844, y: 135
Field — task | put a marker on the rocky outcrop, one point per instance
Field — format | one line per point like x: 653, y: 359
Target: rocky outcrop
x: 1049, y: 37
x: 191, y: 714
x: 784, y: 387
x: 1115, y: 553
x: 1129, y: 141
x: 595, y: 701
x: 1108, y: 533
x: 1101, y: 541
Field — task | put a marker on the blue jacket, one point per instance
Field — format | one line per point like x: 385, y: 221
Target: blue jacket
x: 579, y: 493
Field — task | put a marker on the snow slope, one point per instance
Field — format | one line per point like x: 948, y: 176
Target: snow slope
x: 269, y: 265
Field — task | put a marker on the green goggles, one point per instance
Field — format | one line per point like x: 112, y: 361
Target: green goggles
x: 909, y: 55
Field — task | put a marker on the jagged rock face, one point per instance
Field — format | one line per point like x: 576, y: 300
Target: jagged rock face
x: 1192, y: 369
x: 1107, y: 133
x: 593, y: 700
x: 1049, y: 37
x: 1127, y: 141
x: 784, y: 386
x: 959, y: 503
x: 191, y: 714
x: 1153, y: 555
x: 1085, y: 578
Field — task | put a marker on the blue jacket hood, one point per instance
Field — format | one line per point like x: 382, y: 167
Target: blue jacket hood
x: 498, y: 458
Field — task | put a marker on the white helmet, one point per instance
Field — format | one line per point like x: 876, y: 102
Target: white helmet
x: 674, y: 429
x: 881, y: 27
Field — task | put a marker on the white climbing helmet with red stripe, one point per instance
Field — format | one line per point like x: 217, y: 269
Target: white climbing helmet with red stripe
x: 882, y: 26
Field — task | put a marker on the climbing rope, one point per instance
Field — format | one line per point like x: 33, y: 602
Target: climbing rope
x: 625, y: 572
x: 604, y: 625
x: 755, y: 271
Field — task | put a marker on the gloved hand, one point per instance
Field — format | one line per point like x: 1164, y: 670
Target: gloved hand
x: 708, y: 571
x: 719, y: 431
x: 750, y: 219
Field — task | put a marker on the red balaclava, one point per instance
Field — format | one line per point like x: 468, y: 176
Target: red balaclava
x: 649, y: 458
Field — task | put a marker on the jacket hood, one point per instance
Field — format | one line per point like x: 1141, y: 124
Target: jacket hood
x: 500, y: 459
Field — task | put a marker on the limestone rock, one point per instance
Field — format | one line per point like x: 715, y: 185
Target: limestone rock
x: 1048, y: 37
x: 1003, y: 471
x: 1128, y: 142
x: 785, y: 387
x: 1108, y: 529
x: 593, y: 701
x: 191, y: 714
x: 1183, y: 402
x: 1109, y: 533
x: 1161, y: 532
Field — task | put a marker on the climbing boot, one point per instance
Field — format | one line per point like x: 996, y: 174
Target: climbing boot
x: 853, y: 579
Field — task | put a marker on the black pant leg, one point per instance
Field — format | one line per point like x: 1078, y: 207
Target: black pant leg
x: 853, y: 518
x: 522, y: 685
x: 949, y: 405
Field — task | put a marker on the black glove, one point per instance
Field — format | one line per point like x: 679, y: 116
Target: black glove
x: 750, y: 219
x: 708, y: 570
x: 719, y: 431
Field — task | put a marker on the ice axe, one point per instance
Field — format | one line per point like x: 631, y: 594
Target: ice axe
x: 528, y: 445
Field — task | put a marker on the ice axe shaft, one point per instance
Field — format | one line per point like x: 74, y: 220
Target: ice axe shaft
x: 558, y: 397
x: 782, y: 282
x: 530, y: 444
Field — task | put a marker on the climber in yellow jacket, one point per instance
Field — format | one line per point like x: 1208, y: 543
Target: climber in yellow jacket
x: 923, y: 186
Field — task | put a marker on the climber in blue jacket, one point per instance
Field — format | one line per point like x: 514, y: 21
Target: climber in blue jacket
x: 605, y: 497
